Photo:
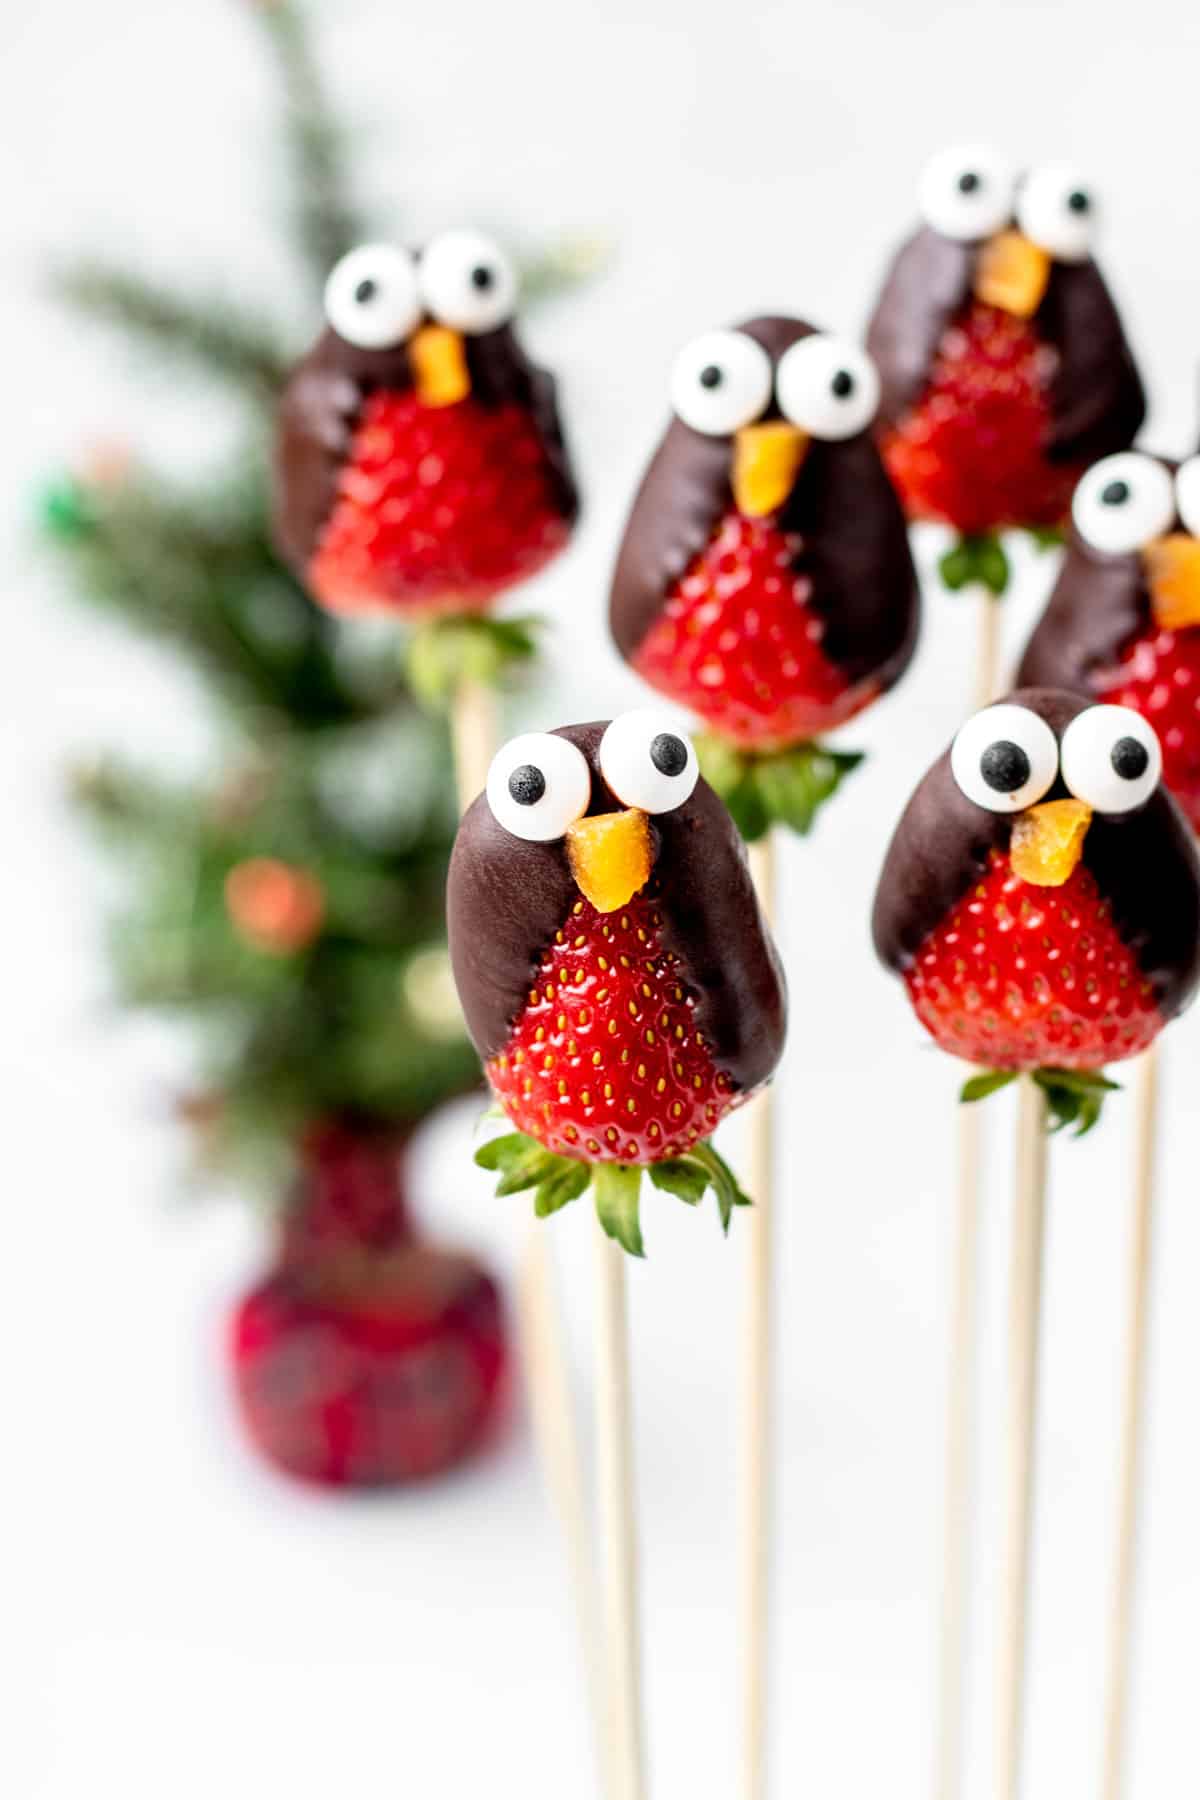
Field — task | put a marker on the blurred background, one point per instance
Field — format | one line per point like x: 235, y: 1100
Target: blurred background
x: 183, y: 1615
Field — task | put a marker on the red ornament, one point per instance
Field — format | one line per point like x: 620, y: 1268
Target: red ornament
x: 274, y: 906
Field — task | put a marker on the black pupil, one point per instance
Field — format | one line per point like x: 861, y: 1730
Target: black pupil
x: 366, y: 290
x: 1116, y: 493
x: 1005, y: 767
x: 711, y: 377
x: 481, y: 277
x: 669, y: 754
x: 843, y: 384
x: 1130, y: 759
x: 527, y: 784
x: 968, y: 183
x: 1079, y: 202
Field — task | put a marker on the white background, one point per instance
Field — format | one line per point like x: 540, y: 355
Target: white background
x: 181, y: 1622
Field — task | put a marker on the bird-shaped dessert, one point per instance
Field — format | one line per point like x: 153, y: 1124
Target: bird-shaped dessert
x: 613, y: 965
x: 764, y: 580
x: 1123, y: 622
x: 420, y: 463
x: 1004, y: 366
x: 1041, y: 896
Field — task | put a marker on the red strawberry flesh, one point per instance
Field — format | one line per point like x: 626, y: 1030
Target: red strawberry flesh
x: 1158, y: 675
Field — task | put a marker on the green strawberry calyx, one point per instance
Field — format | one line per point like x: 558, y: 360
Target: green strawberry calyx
x: 1074, y: 1097
x: 466, y: 649
x: 522, y: 1163
x: 774, y: 787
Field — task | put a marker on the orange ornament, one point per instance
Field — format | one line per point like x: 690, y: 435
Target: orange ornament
x: 274, y: 906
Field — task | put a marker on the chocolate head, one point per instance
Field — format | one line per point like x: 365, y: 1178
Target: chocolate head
x: 1022, y: 243
x: 1133, y: 563
x: 1052, y: 782
x: 607, y: 811
x: 774, y: 418
x: 438, y: 321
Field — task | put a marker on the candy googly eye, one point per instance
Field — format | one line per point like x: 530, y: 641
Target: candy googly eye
x: 1124, y: 503
x: 648, y: 762
x: 371, y: 297
x: 538, y: 785
x: 1187, y: 495
x: 720, y: 382
x: 1056, y: 210
x: 967, y: 193
x: 828, y: 387
x: 1111, y: 759
x: 467, y: 282
x: 1005, y: 758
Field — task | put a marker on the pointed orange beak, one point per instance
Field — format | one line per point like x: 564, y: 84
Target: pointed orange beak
x: 1047, y: 842
x: 766, y: 461
x: 1012, y: 274
x: 610, y: 857
x: 1173, y: 572
x: 439, y: 364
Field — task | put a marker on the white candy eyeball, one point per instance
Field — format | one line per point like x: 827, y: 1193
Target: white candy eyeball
x: 467, y: 282
x: 1187, y: 495
x: 828, y: 387
x: 648, y: 762
x: 1111, y: 759
x: 371, y: 296
x: 1124, y: 503
x: 966, y: 193
x: 538, y: 785
x: 720, y: 382
x: 1005, y: 758
x: 1056, y: 210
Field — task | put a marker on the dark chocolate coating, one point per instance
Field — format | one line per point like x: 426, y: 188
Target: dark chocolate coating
x: 1145, y: 864
x: 320, y: 409
x: 505, y: 899
x: 855, y: 547
x: 1097, y: 402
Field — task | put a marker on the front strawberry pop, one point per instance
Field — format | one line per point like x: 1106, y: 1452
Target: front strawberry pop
x: 421, y: 467
x: 1004, y: 366
x: 764, y: 580
x: 1041, y: 897
x: 613, y: 966
x: 1123, y: 622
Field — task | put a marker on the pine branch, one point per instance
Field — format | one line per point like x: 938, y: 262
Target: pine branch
x: 327, y: 222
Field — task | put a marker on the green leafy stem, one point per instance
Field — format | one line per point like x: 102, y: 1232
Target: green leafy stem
x: 460, y: 648
x: 774, y: 787
x: 980, y: 560
x: 1074, y: 1097
x: 522, y: 1163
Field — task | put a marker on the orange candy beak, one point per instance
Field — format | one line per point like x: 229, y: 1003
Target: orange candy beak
x: 439, y: 364
x: 1173, y: 572
x: 766, y: 461
x: 610, y: 857
x: 1012, y: 274
x: 1047, y: 842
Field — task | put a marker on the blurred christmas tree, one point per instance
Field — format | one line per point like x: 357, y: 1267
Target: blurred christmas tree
x: 290, y: 906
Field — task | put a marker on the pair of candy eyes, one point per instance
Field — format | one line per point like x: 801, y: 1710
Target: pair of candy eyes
x: 725, y: 380
x: 1125, y: 502
x: 539, y: 785
x: 970, y: 193
x: 1007, y: 758
x: 378, y: 294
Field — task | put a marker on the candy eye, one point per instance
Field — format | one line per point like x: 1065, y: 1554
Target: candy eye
x: 1005, y: 758
x: 1187, y: 495
x: 829, y: 387
x: 1111, y: 759
x: 648, y: 762
x: 371, y: 297
x: 1056, y: 209
x: 1124, y: 503
x: 967, y: 194
x: 538, y: 785
x: 467, y: 282
x: 720, y: 382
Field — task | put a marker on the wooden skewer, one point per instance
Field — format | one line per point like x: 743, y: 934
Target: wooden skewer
x: 1025, y: 1305
x: 1125, y: 1569
x: 757, y: 1403
x: 614, y: 1461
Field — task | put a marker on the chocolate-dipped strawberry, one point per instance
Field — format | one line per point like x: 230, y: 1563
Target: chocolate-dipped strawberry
x: 1123, y: 622
x: 764, y: 580
x: 1004, y: 366
x: 420, y: 465
x: 1041, y: 896
x: 613, y: 966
